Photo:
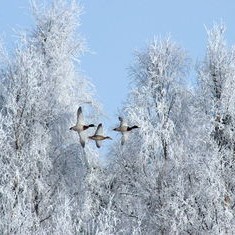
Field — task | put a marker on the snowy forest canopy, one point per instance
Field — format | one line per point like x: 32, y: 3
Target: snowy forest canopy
x: 175, y: 175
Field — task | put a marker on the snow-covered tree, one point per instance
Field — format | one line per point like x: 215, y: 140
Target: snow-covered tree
x: 42, y: 164
x: 173, y: 175
x: 149, y: 187
x: 215, y: 114
x: 216, y: 76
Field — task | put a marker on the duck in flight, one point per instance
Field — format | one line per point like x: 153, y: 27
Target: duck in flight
x: 99, y: 136
x: 124, y: 129
x: 80, y: 126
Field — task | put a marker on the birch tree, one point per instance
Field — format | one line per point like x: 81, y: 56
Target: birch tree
x: 42, y: 163
x: 216, y: 99
x: 149, y: 187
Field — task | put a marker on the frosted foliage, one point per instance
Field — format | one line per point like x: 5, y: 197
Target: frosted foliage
x: 43, y: 166
x: 217, y: 70
x: 173, y: 175
x: 159, y: 75
x: 217, y: 79
x: 149, y: 194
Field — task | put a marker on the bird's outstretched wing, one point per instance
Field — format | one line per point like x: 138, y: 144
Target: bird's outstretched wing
x: 79, y: 116
x: 122, y: 122
x: 124, y: 137
x: 99, y: 130
x: 98, y: 143
x: 82, y: 140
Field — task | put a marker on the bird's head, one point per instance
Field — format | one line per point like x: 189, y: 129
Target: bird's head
x: 109, y: 138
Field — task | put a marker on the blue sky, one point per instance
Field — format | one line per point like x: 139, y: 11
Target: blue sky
x: 115, y: 29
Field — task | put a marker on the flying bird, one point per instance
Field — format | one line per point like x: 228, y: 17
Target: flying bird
x: 99, y: 136
x: 124, y: 129
x: 80, y: 126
